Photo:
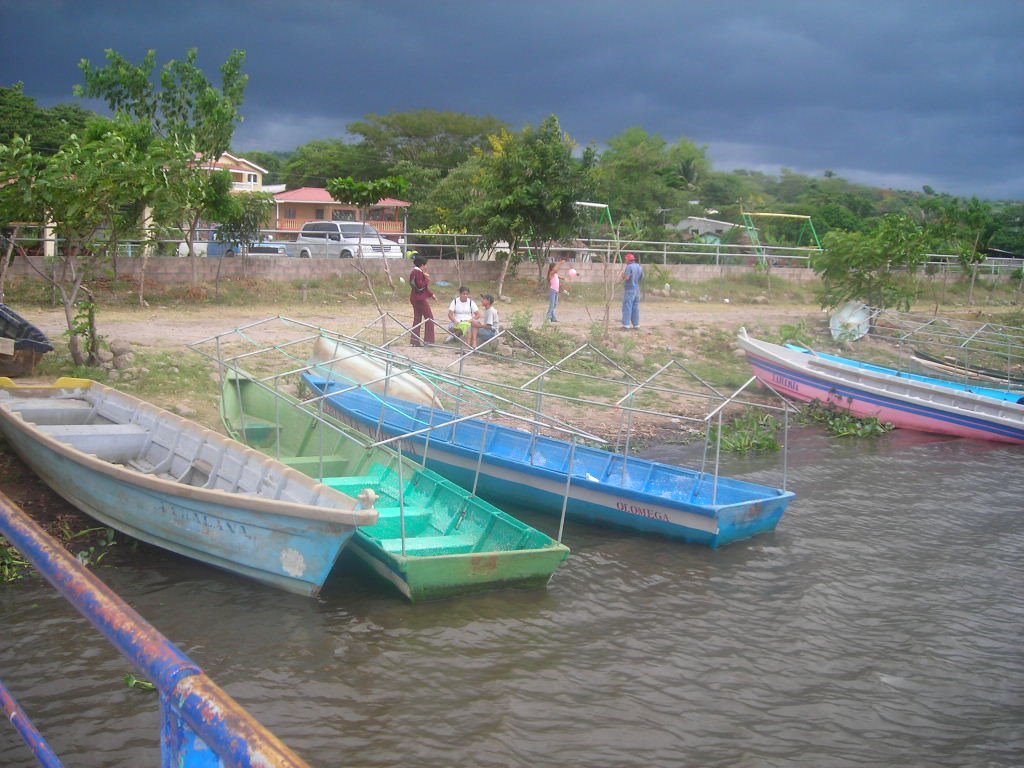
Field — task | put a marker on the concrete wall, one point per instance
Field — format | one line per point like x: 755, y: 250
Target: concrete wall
x: 178, y: 271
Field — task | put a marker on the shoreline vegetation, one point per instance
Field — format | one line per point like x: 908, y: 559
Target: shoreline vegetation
x: 695, y: 322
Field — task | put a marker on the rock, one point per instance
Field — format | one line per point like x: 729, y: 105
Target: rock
x: 105, y: 357
x: 124, y: 360
x: 759, y: 300
x: 121, y: 347
x: 183, y: 410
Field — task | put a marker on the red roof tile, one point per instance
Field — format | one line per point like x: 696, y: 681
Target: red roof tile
x: 321, y: 195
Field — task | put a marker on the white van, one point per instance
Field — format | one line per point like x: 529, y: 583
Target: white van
x: 343, y: 239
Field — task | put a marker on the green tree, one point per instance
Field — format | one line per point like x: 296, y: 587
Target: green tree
x: 313, y: 163
x: 966, y: 227
x: 47, y: 129
x: 422, y: 184
x: 878, y: 267
x: 242, y: 219
x: 363, y: 195
x: 1009, y: 235
x: 186, y: 106
x: 186, y: 110
x: 528, y: 188
x: 90, y: 189
x: 446, y: 204
x: 688, y: 164
x: 639, y: 176
x: 188, y: 199
x: 426, y: 138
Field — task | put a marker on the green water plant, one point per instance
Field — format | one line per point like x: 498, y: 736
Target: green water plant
x: 12, y: 565
x: 752, y: 430
x: 842, y: 423
x: 94, y: 553
x: 140, y: 683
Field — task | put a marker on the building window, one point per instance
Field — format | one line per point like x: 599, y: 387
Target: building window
x: 342, y: 214
x: 318, y: 213
x: 289, y: 213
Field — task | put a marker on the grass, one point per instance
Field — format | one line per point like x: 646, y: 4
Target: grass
x: 181, y: 381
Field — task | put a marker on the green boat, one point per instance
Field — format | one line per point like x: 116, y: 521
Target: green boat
x: 433, y: 539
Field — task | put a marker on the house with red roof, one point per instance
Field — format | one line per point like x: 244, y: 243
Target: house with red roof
x: 295, y: 207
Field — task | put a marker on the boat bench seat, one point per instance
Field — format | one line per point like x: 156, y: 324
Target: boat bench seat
x: 352, y: 482
x: 411, y: 513
x: 317, y: 466
x: 113, y: 442
x: 424, y: 546
x: 71, y: 431
x: 54, y: 411
x: 260, y: 431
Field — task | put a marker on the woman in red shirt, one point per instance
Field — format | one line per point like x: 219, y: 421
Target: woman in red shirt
x: 419, y: 297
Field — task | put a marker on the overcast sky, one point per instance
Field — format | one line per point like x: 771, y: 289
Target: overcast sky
x: 891, y: 93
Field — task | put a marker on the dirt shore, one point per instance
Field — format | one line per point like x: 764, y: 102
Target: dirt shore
x: 662, y: 318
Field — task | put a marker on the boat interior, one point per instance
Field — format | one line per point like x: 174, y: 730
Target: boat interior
x: 149, y: 441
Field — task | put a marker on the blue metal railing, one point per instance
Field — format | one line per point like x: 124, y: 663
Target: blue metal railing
x: 200, y: 724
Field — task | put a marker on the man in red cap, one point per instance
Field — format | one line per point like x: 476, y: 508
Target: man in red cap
x: 632, y: 276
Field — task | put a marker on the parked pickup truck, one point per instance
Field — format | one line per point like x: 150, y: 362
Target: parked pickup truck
x: 342, y: 240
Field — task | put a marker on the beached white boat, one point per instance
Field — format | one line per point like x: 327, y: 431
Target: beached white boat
x: 170, y: 482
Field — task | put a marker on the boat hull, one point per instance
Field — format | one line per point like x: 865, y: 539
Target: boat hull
x: 287, y: 549
x: 455, y: 543
x: 904, y: 403
x: 606, y: 489
x: 27, y: 344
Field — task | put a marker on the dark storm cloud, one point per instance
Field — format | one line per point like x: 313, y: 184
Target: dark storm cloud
x: 895, y: 93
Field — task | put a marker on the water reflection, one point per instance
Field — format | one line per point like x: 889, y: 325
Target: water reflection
x: 878, y: 625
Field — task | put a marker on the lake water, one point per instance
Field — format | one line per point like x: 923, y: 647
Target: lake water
x: 880, y: 625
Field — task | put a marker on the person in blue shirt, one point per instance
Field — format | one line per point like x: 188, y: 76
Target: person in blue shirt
x: 632, y: 276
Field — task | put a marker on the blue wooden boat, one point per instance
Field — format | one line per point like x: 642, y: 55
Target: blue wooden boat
x: 21, y: 344
x: 167, y: 481
x: 1007, y: 395
x: 511, y: 465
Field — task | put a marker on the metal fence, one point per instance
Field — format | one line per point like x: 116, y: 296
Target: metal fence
x: 197, y: 717
x: 471, y: 247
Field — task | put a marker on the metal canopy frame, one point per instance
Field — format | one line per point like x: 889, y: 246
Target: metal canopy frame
x: 469, y: 383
